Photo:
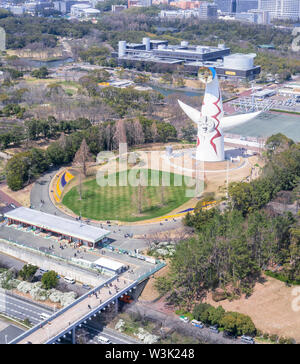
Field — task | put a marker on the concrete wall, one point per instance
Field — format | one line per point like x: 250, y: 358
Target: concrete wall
x: 41, y: 260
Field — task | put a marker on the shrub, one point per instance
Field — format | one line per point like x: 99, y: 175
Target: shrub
x: 266, y: 336
x: 49, y: 280
x: 274, y: 338
x: 27, y: 272
x: 238, y: 324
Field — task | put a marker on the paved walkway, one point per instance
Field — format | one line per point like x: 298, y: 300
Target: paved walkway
x: 74, y: 314
x: 42, y: 244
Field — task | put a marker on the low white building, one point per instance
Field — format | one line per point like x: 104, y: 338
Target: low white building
x: 90, y: 13
x: 82, y: 10
x: 109, y: 265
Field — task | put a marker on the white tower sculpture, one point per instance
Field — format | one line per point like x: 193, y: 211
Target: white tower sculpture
x: 211, y: 121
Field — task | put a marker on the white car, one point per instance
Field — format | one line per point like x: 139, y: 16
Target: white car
x: 184, y: 319
x: 103, y: 340
x: 69, y: 280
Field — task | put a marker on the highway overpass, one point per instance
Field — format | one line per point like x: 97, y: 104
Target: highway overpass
x: 81, y: 311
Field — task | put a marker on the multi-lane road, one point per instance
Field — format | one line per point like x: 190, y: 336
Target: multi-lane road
x: 114, y: 336
x: 20, y: 309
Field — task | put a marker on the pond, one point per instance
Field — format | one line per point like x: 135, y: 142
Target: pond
x: 55, y: 63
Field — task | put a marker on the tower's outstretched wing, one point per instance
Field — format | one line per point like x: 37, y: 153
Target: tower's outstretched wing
x: 236, y: 120
x: 193, y: 114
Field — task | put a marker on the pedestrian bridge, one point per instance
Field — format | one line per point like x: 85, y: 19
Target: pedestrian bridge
x: 84, y: 308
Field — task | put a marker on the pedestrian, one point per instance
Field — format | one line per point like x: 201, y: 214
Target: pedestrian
x: 89, y: 307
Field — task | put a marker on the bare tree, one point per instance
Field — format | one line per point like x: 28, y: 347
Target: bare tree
x: 83, y: 156
x: 120, y: 133
x: 154, y: 132
x: 139, y: 137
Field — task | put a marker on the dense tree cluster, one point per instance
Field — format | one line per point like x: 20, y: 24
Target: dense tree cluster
x: 231, y: 249
x: 24, y: 167
x: 281, y: 172
x: 232, y: 322
x: 24, y: 30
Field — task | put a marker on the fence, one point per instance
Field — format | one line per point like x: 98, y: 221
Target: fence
x: 47, y: 254
x: 131, y: 254
x: 60, y: 312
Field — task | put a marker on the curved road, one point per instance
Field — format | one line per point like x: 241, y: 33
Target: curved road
x: 40, y: 192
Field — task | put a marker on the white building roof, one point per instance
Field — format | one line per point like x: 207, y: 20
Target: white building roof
x: 91, y: 11
x: 81, y: 6
x: 57, y: 224
x: 109, y: 264
x: 264, y: 93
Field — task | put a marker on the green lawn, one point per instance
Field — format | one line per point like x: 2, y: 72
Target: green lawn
x: 121, y: 202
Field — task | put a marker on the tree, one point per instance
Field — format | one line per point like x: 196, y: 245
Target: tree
x: 17, y: 171
x: 49, y: 280
x: 120, y: 133
x: 216, y: 315
x: 138, y: 133
x: 199, y: 311
x: 238, y: 324
x: 83, y: 156
x: 42, y: 72
x: 27, y: 272
x: 189, y: 133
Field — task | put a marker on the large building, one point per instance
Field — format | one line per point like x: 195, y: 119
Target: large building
x: 237, y: 66
x: 208, y: 10
x: 56, y: 227
x: 65, y: 6
x: 236, y: 6
x: 281, y: 9
x: 84, y: 10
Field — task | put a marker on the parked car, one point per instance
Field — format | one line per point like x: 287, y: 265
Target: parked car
x: 86, y: 286
x: 214, y: 329
x: 43, y: 270
x: 184, y: 319
x: 247, y: 339
x: 103, y: 340
x: 229, y: 335
x: 69, y: 280
x: 197, y: 324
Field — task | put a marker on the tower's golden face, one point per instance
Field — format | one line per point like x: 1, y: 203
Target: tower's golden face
x: 205, y: 75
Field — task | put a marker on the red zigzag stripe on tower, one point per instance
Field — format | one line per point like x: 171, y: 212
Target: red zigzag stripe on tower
x: 218, y: 134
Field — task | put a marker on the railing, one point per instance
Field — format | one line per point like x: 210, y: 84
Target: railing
x: 49, y: 255
x: 154, y: 270
x: 60, y: 312
x: 94, y: 311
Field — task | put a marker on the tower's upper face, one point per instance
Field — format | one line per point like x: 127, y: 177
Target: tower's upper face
x: 206, y: 74
x: 207, y: 125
